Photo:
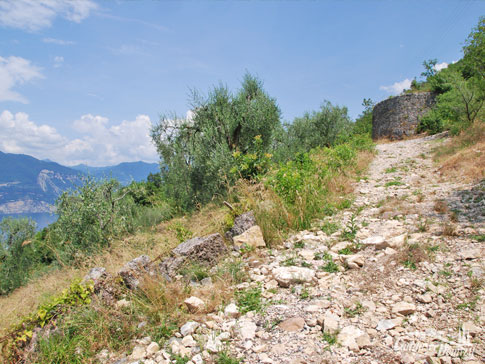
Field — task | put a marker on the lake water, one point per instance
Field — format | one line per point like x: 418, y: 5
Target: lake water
x: 41, y: 218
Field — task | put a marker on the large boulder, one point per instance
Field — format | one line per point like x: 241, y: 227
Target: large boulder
x: 241, y: 223
x: 204, y: 250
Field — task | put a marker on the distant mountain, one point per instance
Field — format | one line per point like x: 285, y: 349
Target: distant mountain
x: 123, y: 172
x: 29, y: 185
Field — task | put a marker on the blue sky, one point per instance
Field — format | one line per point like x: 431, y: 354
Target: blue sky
x: 82, y: 80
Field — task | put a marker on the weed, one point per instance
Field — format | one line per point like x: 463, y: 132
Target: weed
x: 470, y: 305
x: 433, y: 248
x: 181, y: 231
x: 449, y: 229
x: 423, y: 225
x: 345, y: 251
x: 247, y: 249
x: 446, y: 273
x: 181, y: 359
x: 350, y: 229
x: 289, y: 262
x: 344, y: 204
x: 195, y: 272
x: 478, y: 238
x: 391, y: 170
x: 225, y: 358
x: 305, y: 294
x: 232, y: 271
x: 440, y: 206
x: 330, y: 339
x: 270, y: 325
x: 299, y: 245
x: 329, y: 227
x: 397, y: 182
x: 330, y: 267
x: 354, y: 310
x: 249, y: 299
x: 306, y: 265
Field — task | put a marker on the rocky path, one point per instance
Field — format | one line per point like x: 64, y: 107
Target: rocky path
x: 397, y: 278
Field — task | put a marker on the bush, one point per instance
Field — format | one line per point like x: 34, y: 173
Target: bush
x: 17, y: 253
x: 317, y: 129
x: 89, y: 217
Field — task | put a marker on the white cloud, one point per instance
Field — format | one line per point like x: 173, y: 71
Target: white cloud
x: 20, y: 135
x: 32, y: 15
x: 60, y: 42
x: 58, y: 61
x: 15, y: 71
x: 397, y: 87
x: 440, y: 66
x: 98, y: 143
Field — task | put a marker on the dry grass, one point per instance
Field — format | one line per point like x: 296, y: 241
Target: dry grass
x: 463, y: 156
x: 397, y: 206
x: 440, y: 206
x: 449, y: 229
x: 157, y: 242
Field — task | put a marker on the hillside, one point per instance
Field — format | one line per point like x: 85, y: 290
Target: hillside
x: 31, y: 185
x: 125, y: 172
x: 402, y: 266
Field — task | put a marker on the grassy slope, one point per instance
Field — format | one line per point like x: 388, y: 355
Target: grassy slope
x: 159, y: 240
x: 463, y: 156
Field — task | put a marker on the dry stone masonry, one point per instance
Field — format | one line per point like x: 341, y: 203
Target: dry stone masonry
x: 399, y: 116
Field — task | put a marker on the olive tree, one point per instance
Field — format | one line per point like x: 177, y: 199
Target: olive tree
x: 197, y: 152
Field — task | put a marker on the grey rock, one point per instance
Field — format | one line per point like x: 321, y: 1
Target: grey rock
x: 241, y: 223
x: 189, y: 328
x: 96, y: 274
x: 205, y: 250
x: 132, y: 270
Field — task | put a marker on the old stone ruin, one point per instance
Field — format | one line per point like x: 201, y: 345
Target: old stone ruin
x: 399, y: 116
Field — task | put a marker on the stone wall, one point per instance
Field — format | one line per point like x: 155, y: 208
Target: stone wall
x: 399, y: 116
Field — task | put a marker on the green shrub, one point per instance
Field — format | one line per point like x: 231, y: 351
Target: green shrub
x: 250, y: 299
x: 19, y: 254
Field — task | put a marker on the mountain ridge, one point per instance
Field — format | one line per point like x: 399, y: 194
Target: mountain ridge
x: 30, y: 185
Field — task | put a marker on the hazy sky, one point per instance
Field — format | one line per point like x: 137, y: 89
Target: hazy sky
x: 81, y: 81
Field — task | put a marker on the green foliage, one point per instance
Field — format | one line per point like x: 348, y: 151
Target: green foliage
x: 330, y: 339
x: 18, y: 254
x: 181, y: 231
x: 350, y: 230
x: 195, y: 272
x: 460, y: 88
x: 198, y: 152
x: 290, y: 178
x: 329, y: 227
x: 363, y: 123
x: 250, y: 299
x: 225, y: 358
x: 77, y: 295
x: 251, y: 165
x: 90, y: 217
x: 355, y: 310
x: 323, y: 128
x: 474, y: 50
